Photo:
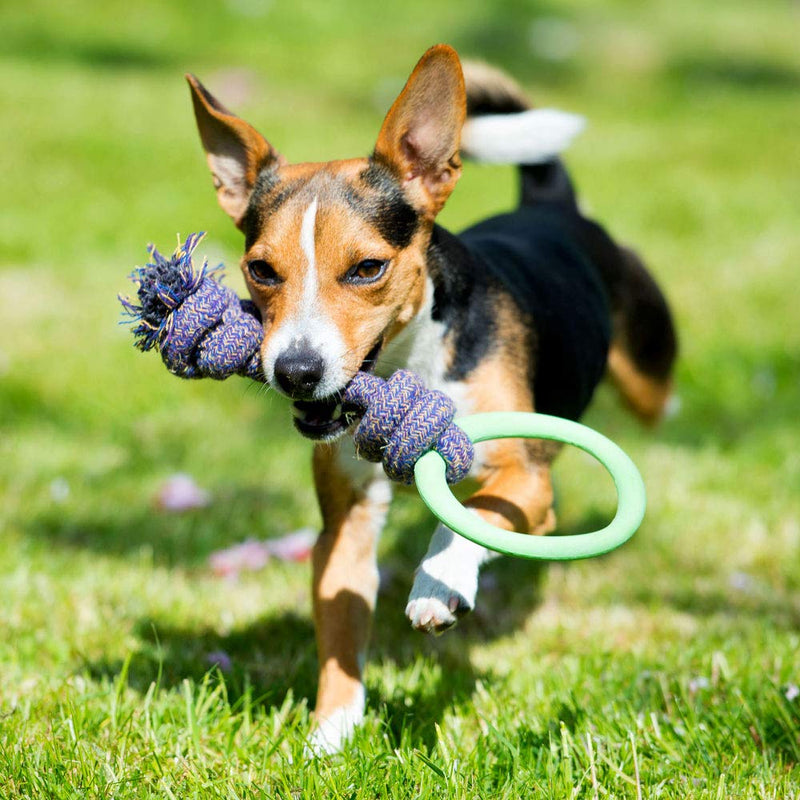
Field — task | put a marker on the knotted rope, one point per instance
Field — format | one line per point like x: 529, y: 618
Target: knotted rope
x: 205, y: 330
x: 201, y: 328
x: 402, y: 420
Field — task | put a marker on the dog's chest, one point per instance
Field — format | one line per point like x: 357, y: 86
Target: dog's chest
x: 421, y: 348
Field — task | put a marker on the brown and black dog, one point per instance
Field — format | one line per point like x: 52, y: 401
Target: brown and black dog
x: 523, y: 311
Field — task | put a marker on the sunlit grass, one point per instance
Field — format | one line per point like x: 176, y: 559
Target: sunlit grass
x: 668, y: 669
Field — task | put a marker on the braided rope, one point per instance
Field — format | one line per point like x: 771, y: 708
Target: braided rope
x: 402, y: 421
x: 204, y: 329
x: 201, y: 328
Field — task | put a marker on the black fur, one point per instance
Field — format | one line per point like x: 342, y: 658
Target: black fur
x: 534, y: 256
x: 462, y: 300
x: 546, y: 182
x: 382, y: 204
x: 264, y: 200
x: 646, y: 321
x: 389, y: 211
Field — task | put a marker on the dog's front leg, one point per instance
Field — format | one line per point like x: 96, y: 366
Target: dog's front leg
x: 354, y: 499
x: 516, y: 494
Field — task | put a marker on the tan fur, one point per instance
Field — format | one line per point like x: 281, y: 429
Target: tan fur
x: 646, y: 396
x: 516, y: 492
x: 419, y: 143
x: 345, y: 579
x: 421, y: 134
x: 341, y: 240
x: 485, y: 83
x: 236, y: 152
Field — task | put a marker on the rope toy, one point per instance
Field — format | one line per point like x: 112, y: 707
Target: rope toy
x: 201, y: 328
x: 204, y: 329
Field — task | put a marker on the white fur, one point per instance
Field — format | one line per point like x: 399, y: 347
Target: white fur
x: 308, y: 244
x: 369, y: 479
x: 418, y: 347
x: 360, y: 472
x: 529, y: 137
x: 309, y: 324
x: 228, y: 170
x: 451, y: 566
x: 446, y: 579
x: 332, y: 731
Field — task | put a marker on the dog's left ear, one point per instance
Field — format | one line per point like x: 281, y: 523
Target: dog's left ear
x: 421, y: 134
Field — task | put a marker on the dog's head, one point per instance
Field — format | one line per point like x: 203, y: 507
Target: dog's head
x: 335, y: 252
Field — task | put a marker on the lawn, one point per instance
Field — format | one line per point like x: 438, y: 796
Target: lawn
x: 128, y: 669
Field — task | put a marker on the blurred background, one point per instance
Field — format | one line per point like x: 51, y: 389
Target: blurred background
x: 691, y: 154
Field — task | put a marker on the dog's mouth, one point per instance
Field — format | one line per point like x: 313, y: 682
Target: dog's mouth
x: 327, y: 419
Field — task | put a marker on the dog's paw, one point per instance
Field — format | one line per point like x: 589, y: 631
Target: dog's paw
x: 334, y: 729
x: 430, y: 615
x: 446, y: 582
x: 436, y: 603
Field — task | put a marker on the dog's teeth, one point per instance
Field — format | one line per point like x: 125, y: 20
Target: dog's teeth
x: 337, y: 412
x: 299, y: 413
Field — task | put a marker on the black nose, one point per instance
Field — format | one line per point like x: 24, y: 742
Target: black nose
x: 298, y: 371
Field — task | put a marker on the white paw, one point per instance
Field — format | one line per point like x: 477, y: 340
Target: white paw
x: 336, y: 728
x: 431, y: 615
x: 446, y: 582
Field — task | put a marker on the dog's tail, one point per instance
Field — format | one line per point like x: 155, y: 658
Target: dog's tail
x: 502, y: 128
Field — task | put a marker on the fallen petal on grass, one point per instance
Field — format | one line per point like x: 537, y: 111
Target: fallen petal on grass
x: 294, y: 546
x: 179, y: 492
x: 248, y: 556
x: 219, y: 659
x: 253, y: 554
x: 59, y: 490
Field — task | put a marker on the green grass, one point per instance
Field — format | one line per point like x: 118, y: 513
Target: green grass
x: 663, y: 670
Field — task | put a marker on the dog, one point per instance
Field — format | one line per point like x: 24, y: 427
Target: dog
x: 349, y: 271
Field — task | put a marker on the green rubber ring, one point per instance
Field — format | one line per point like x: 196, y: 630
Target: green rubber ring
x: 429, y: 474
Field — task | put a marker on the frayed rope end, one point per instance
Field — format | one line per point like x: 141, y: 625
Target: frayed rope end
x: 163, y: 284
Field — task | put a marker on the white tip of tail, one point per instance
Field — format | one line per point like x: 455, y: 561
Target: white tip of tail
x: 530, y: 137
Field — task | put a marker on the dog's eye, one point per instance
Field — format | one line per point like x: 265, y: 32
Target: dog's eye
x: 367, y: 271
x: 261, y: 272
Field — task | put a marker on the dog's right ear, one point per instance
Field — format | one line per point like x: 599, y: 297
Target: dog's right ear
x: 236, y: 152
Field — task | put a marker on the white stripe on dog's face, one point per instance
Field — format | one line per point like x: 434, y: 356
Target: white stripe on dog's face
x: 308, y: 230
x: 308, y: 244
x: 308, y: 326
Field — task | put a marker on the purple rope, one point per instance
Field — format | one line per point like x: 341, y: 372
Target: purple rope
x: 204, y: 329
x: 402, y: 421
x: 201, y: 328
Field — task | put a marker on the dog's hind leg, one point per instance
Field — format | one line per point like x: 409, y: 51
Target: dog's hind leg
x: 354, y: 502
x: 644, y: 344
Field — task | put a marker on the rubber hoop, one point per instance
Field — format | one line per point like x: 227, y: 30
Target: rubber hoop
x: 429, y: 474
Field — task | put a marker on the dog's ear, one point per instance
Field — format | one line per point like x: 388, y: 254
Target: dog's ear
x: 236, y: 152
x: 421, y: 134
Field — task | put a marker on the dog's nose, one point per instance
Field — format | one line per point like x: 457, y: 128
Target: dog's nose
x: 298, y: 371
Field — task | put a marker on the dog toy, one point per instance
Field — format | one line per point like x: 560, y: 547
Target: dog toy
x: 204, y: 329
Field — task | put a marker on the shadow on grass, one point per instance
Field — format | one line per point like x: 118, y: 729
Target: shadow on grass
x: 742, y: 72
x: 42, y: 47
x: 185, y: 538
x: 277, y: 654
x: 270, y: 658
x: 756, y: 602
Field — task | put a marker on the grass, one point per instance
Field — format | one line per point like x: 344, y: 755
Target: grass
x: 668, y: 669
